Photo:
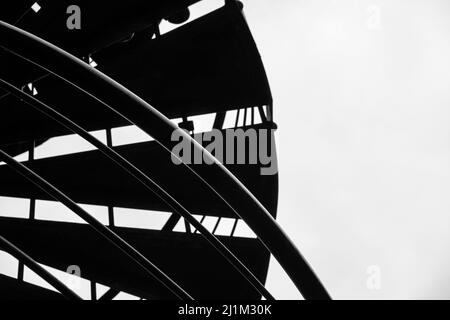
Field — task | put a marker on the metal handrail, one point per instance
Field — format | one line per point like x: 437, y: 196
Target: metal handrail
x: 108, y: 234
x: 142, y: 178
x: 38, y: 269
x: 122, y: 101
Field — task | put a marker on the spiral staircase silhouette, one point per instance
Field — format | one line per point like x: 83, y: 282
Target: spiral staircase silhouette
x: 49, y: 88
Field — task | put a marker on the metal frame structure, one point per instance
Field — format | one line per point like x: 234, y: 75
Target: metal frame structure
x: 133, y: 109
x: 146, y: 181
x: 34, y: 266
x: 111, y: 236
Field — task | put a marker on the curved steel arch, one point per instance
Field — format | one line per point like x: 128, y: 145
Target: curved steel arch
x: 138, y: 112
x: 108, y: 234
x: 142, y: 178
x: 34, y: 266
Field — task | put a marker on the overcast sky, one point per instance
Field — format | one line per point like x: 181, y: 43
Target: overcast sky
x: 361, y: 91
x: 362, y: 101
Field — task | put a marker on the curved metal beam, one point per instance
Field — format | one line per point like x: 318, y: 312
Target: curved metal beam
x: 40, y: 271
x: 142, y: 178
x: 122, y: 101
x: 109, y: 235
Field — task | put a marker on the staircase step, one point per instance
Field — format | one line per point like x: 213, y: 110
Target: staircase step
x: 103, y: 23
x: 91, y: 178
x: 187, y: 258
x: 209, y: 65
x: 12, y: 290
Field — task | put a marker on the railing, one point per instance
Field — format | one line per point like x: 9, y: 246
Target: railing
x: 138, y: 112
x: 144, y: 179
x: 34, y: 266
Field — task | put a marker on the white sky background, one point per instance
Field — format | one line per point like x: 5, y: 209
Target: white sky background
x: 363, y: 110
x: 363, y: 114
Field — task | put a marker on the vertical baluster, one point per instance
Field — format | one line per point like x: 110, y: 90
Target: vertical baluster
x: 109, y: 143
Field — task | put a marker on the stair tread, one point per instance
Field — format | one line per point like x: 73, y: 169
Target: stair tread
x: 189, y: 71
x: 13, y: 289
x: 188, y: 258
x: 92, y: 178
